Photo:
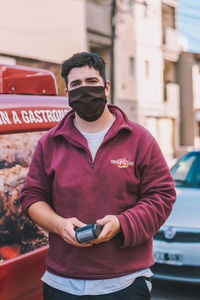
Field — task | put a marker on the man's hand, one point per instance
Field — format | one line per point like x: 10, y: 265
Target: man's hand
x: 66, y: 229
x: 111, y: 226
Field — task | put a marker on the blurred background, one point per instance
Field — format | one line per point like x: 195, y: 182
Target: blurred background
x: 150, y: 47
x: 152, y: 52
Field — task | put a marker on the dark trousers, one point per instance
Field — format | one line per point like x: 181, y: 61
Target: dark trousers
x: 138, y: 290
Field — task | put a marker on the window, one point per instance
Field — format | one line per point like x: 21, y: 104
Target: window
x: 130, y: 6
x: 147, y: 68
x: 131, y: 66
x: 181, y: 170
x: 198, y: 177
x: 198, y: 128
x: 99, y: 2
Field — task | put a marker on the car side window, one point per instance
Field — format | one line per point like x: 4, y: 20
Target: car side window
x: 18, y: 235
x: 197, y: 175
x: 182, y: 168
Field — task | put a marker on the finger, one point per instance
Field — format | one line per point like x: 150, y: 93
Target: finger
x: 104, y: 236
x: 75, y: 243
x: 101, y: 240
x: 78, y: 223
x: 103, y: 221
x: 71, y: 238
x: 69, y: 233
x: 84, y: 245
x: 70, y: 227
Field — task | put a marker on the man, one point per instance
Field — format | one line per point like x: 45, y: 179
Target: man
x: 96, y: 166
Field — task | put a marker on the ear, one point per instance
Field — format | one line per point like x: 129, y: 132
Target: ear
x: 66, y: 92
x: 107, y: 88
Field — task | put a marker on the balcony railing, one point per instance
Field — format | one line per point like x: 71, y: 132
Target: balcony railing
x: 171, y: 97
x: 171, y: 47
x: 170, y: 2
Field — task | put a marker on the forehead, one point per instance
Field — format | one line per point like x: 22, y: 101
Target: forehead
x: 83, y: 72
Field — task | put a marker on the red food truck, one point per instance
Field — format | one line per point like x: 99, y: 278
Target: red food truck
x: 28, y: 107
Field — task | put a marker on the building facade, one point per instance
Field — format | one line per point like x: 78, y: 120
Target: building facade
x: 42, y: 33
x: 138, y: 40
x: 146, y: 53
x: 146, y: 69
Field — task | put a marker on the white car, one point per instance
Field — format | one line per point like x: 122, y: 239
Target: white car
x: 176, y: 245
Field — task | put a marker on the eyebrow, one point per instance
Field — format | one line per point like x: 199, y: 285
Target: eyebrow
x: 91, y: 78
x: 74, y: 81
x: 87, y: 79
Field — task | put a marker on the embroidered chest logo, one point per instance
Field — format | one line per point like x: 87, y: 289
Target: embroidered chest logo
x: 122, y: 163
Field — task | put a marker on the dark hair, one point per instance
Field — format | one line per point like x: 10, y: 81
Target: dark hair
x: 82, y: 59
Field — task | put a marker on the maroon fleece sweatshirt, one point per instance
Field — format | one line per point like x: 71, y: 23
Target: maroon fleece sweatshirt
x: 128, y: 178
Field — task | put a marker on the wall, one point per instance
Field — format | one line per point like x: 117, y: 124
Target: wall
x: 47, y: 30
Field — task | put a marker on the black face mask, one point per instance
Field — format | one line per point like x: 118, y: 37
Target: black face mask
x: 88, y: 102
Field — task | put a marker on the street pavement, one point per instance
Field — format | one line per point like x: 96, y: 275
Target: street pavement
x: 167, y: 290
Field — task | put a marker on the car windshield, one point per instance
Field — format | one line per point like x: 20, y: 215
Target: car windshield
x: 187, y: 171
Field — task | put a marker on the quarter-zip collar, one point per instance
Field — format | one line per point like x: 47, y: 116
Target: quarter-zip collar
x: 67, y: 129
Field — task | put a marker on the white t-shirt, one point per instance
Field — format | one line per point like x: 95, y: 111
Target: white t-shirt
x: 95, y: 140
